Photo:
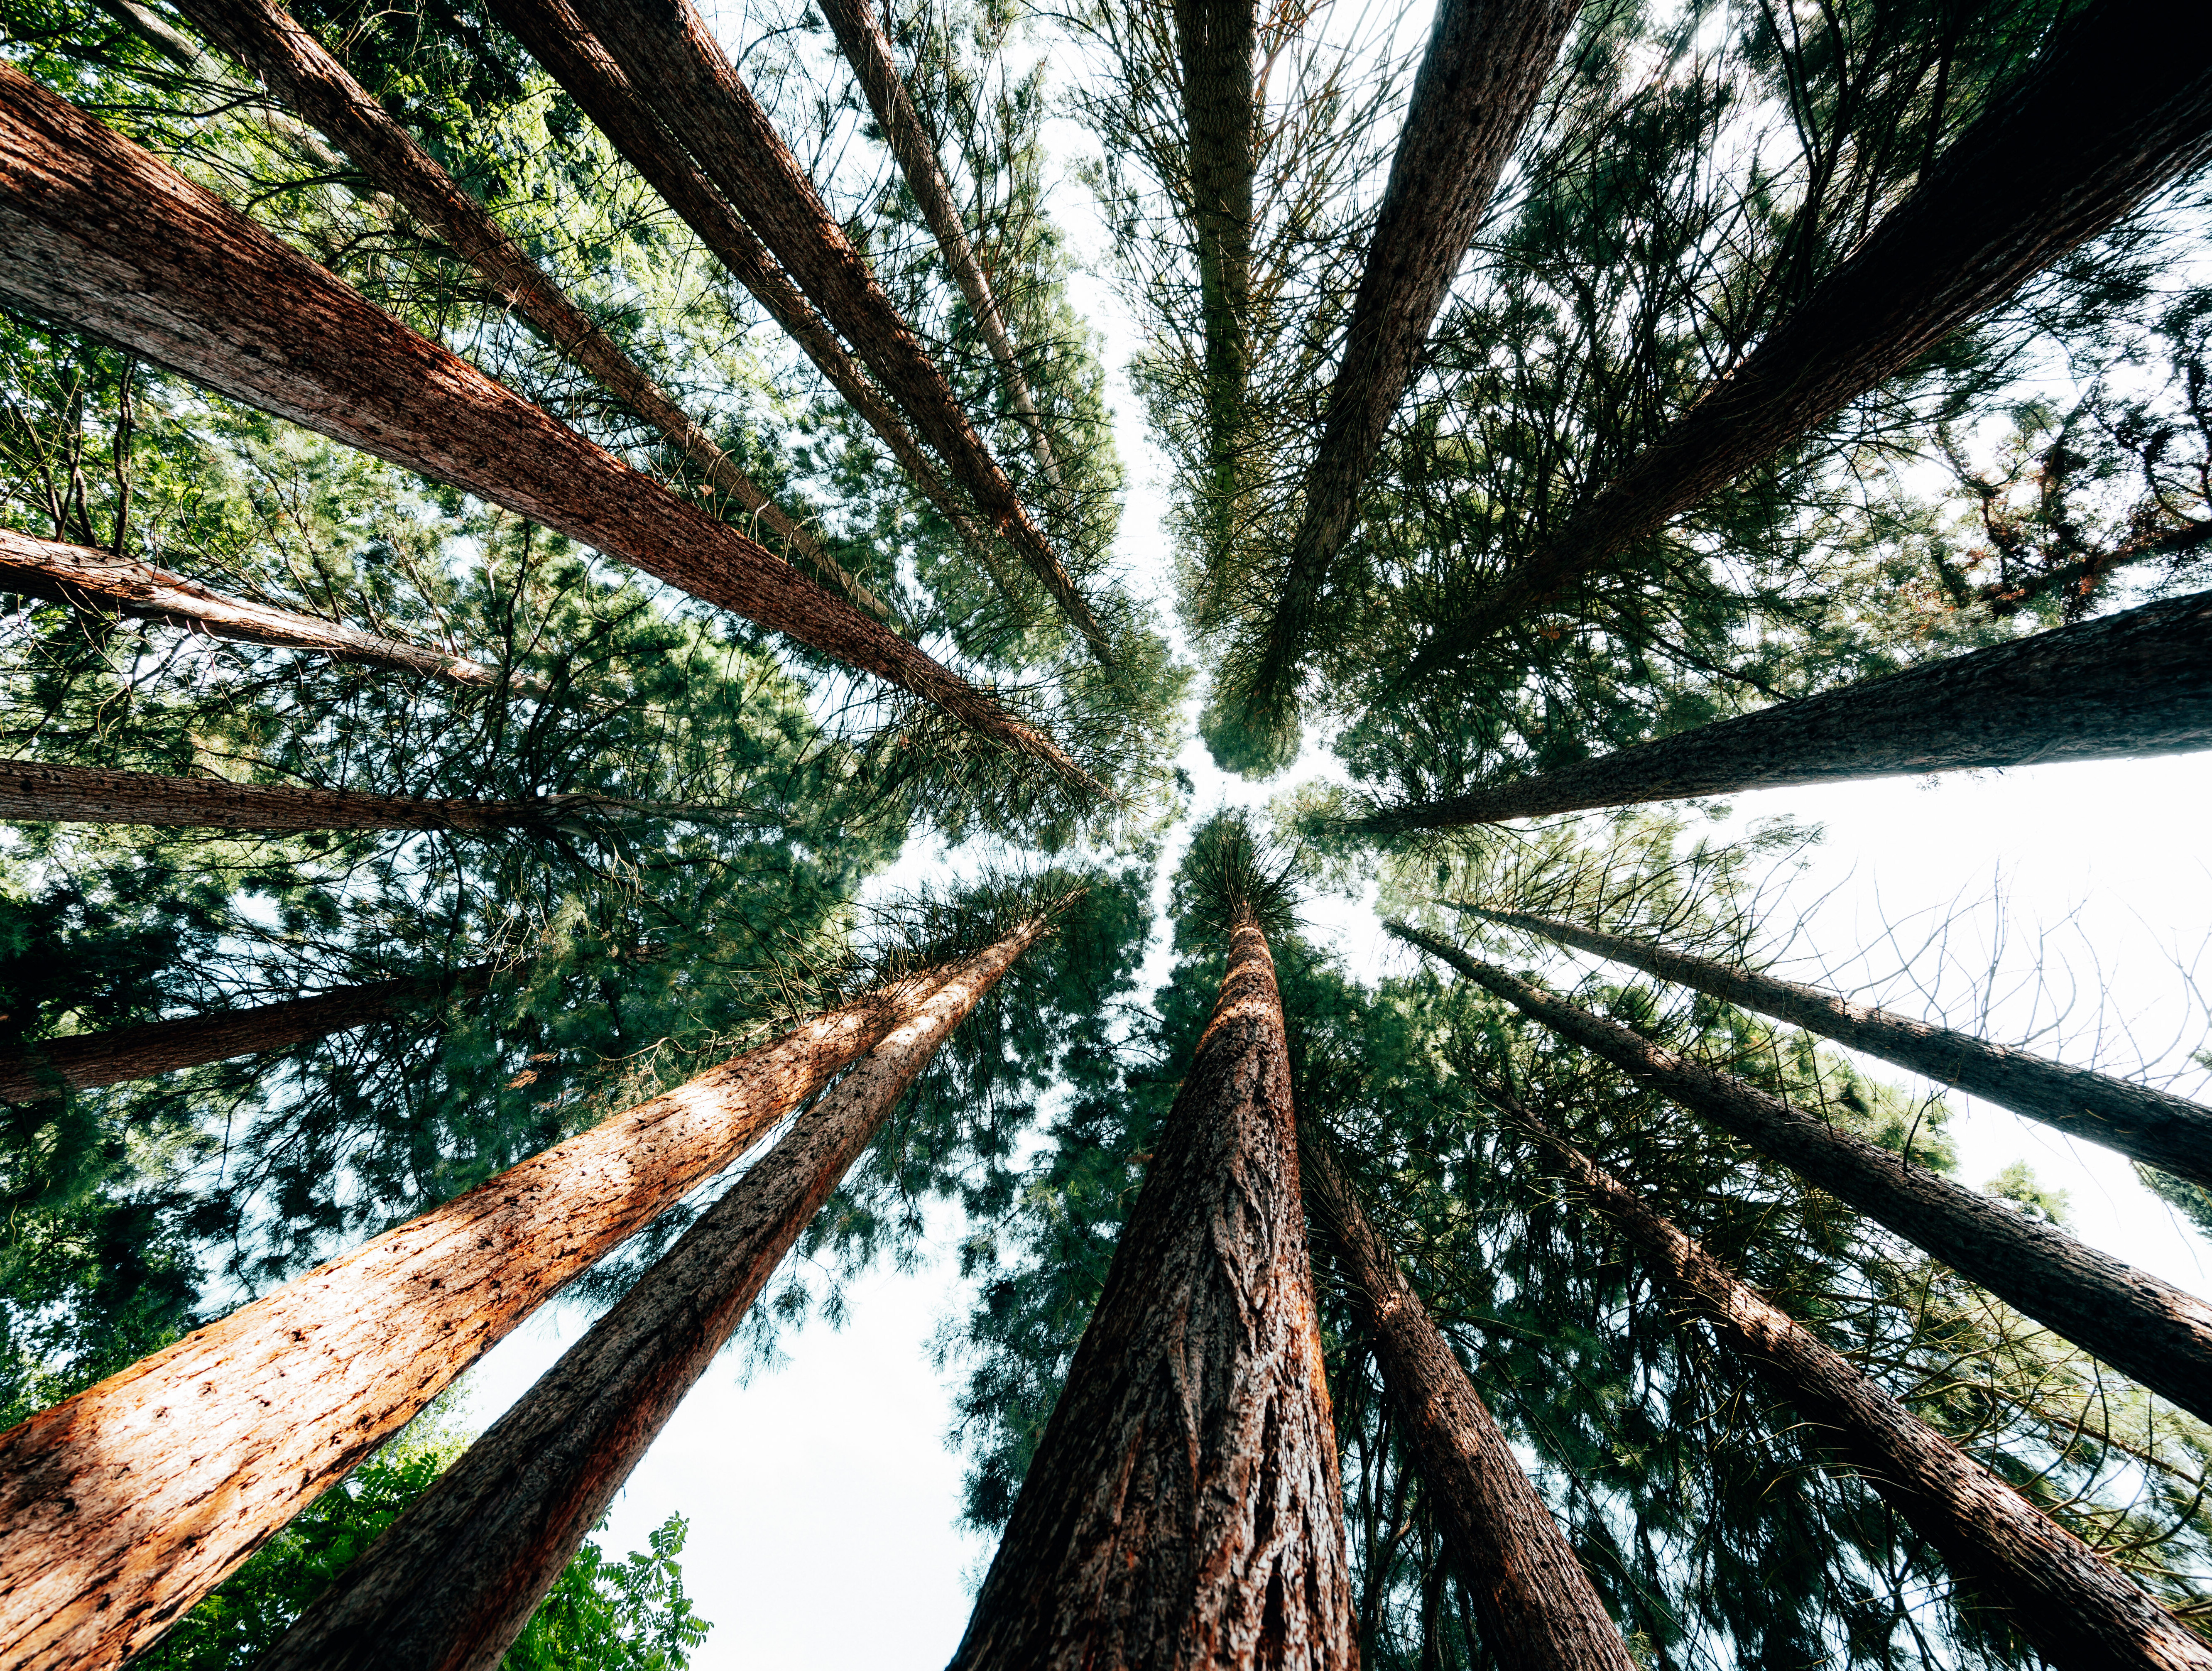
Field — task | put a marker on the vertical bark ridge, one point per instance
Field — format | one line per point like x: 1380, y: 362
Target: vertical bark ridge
x: 1183, y: 1509
x: 2144, y: 1328
x: 2061, y: 1596
x: 1538, y: 1609
x: 451, y: 1583
x: 121, y: 1507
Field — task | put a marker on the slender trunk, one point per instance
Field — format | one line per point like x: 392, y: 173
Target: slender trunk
x: 122, y: 1507
x: 1539, y: 1609
x: 1183, y: 1508
x: 2151, y: 1125
x: 101, y: 236
x: 2067, y: 1600
x: 1215, y: 43
x: 451, y: 1583
x: 2134, y: 684
x: 2144, y: 1328
x: 2117, y: 104
x: 696, y: 92
x: 188, y: 56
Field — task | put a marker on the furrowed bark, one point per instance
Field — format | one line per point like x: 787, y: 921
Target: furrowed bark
x: 1183, y: 1509
x: 451, y: 1584
x: 2138, y: 682
x: 2146, y: 1328
x: 666, y: 46
x: 2165, y: 1131
x: 101, y: 236
x: 1216, y: 41
x: 2067, y: 1600
x: 1538, y: 1609
x: 2118, y: 104
x: 286, y: 55
x: 122, y: 1507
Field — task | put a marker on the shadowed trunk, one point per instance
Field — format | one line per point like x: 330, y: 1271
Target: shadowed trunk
x: 666, y: 46
x: 1183, y: 1508
x: 123, y: 1506
x: 1538, y: 1608
x: 451, y: 1584
x: 2152, y: 1125
x: 2144, y: 1328
x: 101, y: 236
x: 2137, y: 682
x: 2117, y: 104
x: 1216, y: 41
x: 2068, y: 1601
x: 286, y: 56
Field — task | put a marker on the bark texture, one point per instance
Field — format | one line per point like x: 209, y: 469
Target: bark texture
x: 98, y: 235
x: 1216, y: 41
x: 1183, y: 1509
x: 1538, y: 1611
x: 451, y: 1584
x: 2165, y: 1131
x: 2118, y: 104
x: 2068, y: 1601
x: 2134, y: 683
x: 2140, y: 1326
x: 123, y: 1506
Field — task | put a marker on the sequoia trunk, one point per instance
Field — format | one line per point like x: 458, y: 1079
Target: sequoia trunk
x: 1216, y: 41
x: 2142, y: 1327
x: 1538, y: 1609
x: 1183, y: 1508
x: 451, y: 1583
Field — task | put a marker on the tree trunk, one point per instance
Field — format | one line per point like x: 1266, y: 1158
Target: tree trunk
x: 101, y: 236
x: 1538, y: 1608
x: 2117, y: 104
x: 451, y: 1584
x: 2146, y: 1125
x: 1183, y: 1509
x: 2064, y: 1597
x: 666, y: 46
x: 2134, y: 683
x: 286, y: 55
x: 2144, y: 1328
x: 123, y: 1506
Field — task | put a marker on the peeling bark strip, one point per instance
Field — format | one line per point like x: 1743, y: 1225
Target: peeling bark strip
x: 1183, y: 1509
x: 122, y: 1507
x: 101, y: 236
x: 666, y: 46
x: 2146, y: 1328
x: 2067, y: 1600
x: 2137, y: 682
x: 1538, y: 1608
x: 2117, y: 104
x: 2165, y: 1131
x: 451, y: 1584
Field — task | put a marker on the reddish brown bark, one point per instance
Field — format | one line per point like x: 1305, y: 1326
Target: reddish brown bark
x: 2144, y: 1328
x: 122, y: 1507
x: 1537, y: 1607
x: 98, y: 235
x: 2118, y: 104
x: 1183, y: 1509
x: 2151, y: 1125
x: 2068, y: 1601
x: 451, y: 1583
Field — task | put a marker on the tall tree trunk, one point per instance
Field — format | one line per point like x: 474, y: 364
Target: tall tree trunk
x: 123, y: 1506
x: 2134, y: 683
x: 34, y: 792
x: 101, y: 236
x: 697, y: 93
x: 2117, y: 104
x: 2142, y: 1327
x: 451, y: 1583
x: 286, y: 55
x: 2152, y: 1126
x: 2067, y: 1600
x: 1183, y: 1509
x: 1538, y: 1608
